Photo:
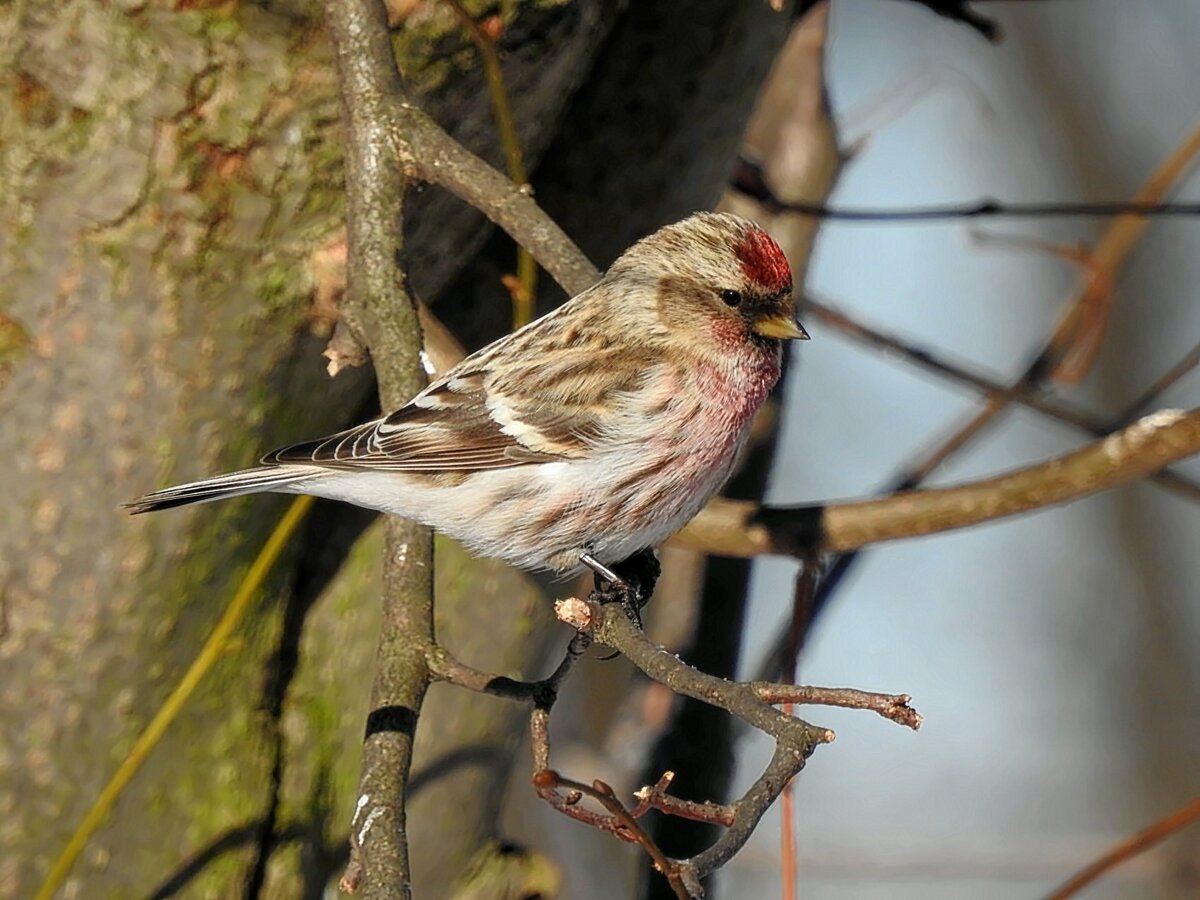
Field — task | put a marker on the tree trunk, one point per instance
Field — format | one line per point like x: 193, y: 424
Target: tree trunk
x: 171, y: 195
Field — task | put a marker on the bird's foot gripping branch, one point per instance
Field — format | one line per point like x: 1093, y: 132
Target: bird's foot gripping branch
x: 630, y: 583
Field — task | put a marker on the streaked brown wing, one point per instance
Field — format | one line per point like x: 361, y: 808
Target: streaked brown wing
x: 447, y: 427
x: 542, y: 394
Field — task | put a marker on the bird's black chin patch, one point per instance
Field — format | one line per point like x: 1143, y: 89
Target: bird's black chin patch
x: 763, y: 342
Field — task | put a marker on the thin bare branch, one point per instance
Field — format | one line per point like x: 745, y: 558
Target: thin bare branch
x: 655, y: 796
x: 1029, y: 396
x: 748, y: 180
x: 891, y: 706
x: 444, y: 667
x: 548, y: 779
x: 1161, y: 384
x: 940, y: 365
x: 1127, y: 849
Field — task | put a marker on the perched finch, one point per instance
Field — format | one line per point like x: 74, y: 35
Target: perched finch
x: 598, y: 430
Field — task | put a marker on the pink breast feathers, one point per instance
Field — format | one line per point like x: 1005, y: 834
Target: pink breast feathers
x: 763, y: 262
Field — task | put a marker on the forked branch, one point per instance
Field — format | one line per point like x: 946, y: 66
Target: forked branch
x: 795, y: 739
x: 754, y: 702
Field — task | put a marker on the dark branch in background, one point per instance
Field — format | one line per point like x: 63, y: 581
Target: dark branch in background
x: 748, y: 179
x: 954, y: 10
x: 1029, y: 396
x: 959, y: 11
x: 1161, y: 385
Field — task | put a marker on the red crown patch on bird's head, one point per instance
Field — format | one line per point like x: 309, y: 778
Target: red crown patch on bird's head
x: 763, y: 262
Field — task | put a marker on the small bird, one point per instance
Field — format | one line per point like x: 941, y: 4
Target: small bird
x: 585, y: 438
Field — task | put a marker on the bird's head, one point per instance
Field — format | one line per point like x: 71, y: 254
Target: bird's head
x: 716, y: 278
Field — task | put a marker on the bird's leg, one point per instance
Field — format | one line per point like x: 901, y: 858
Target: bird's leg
x: 606, y: 578
x: 630, y: 582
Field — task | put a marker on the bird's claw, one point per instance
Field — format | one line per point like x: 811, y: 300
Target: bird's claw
x: 630, y: 583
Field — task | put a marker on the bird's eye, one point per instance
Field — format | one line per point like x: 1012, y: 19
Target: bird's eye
x: 731, y: 298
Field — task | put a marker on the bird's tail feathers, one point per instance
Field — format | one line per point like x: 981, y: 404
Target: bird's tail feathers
x: 235, y: 484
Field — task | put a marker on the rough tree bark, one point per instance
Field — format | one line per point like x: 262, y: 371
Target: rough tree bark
x: 171, y: 178
x: 171, y: 194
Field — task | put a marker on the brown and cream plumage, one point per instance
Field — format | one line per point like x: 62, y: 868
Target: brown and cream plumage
x: 601, y: 427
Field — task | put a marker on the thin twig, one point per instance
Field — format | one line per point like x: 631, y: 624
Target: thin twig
x: 445, y: 667
x: 605, y: 796
x: 655, y: 796
x: 891, y: 706
x: 748, y: 180
x: 1028, y: 396
x: 1128, y: 849
x: 961, y: 373
x: 1141, y: 404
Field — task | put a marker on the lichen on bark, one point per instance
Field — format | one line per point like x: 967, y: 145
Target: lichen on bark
x: 153, y: 155
x: 172, y: 175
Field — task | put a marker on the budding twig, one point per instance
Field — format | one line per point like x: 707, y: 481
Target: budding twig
x: 626, y: 826
x: 795, y: 739
x: 655, y: 796
x: 891, y: 706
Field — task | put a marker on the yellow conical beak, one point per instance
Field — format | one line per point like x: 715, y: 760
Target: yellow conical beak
x: 782, y: 328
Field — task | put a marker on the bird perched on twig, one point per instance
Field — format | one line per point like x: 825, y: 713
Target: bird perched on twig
x: 586, y: 437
